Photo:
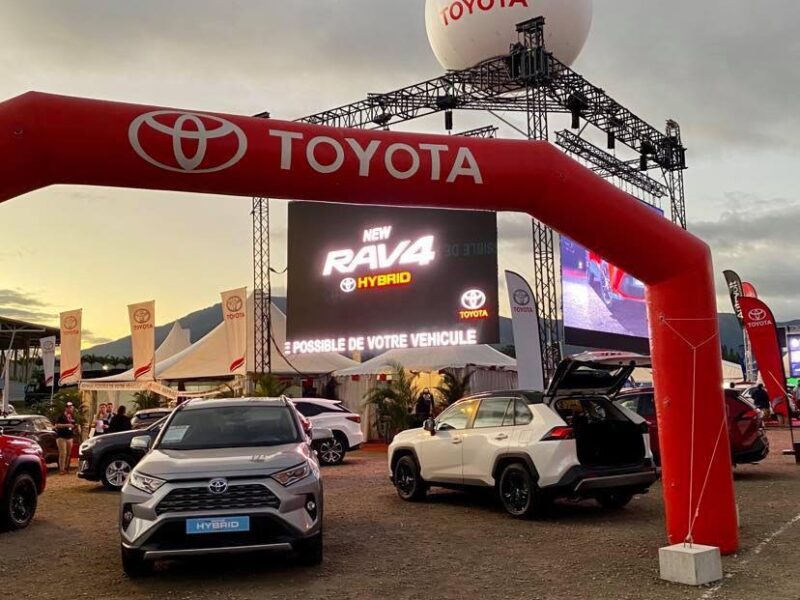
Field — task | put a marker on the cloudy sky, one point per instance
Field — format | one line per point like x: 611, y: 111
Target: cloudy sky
x: 725, y: 69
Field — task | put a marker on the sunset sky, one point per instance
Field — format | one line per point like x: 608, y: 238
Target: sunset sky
x: 101, y: 249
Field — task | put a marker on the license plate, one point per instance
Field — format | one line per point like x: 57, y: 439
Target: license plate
x: 217, y: 525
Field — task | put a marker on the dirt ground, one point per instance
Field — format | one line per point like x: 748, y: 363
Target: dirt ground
x: 452, y: 546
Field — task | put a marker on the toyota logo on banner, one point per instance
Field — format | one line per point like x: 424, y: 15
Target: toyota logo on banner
x: 757, y: 314
x: 473, y: 299
x: 185, y: 142
x: 234, y: 304
x: 141, y: 316
x: 70, y: 322
x: 522, y: 297
x: 48, y: 346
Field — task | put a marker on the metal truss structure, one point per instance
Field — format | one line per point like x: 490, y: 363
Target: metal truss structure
x: 532, y: 81
x: 262, y: 287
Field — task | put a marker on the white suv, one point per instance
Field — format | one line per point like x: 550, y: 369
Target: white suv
x: 532, y: 447
x: 345, y: 425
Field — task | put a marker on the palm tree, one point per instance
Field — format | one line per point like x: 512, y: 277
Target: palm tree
x: 270, y: 386
x: 393, y: 401
x: 453, y: 388
x: 144, y: 400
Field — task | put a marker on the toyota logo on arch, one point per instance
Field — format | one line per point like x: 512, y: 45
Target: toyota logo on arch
x: 473, y: 299
x: 195, y: 143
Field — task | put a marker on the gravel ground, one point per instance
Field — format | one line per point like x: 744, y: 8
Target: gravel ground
x: 452, y: 546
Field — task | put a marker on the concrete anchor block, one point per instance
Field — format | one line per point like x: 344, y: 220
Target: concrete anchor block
x: 690, y: 564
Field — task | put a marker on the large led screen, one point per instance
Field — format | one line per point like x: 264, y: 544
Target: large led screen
x: 793, y: 343
x: 373, y: 278
x: 604, y: 307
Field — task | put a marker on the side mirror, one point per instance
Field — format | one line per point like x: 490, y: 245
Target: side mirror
x: 141, y: 444
x: 319, y: 434
x: 430, y: 425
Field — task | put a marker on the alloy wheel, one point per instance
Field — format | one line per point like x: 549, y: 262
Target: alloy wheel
x: 117, y: 472
x: 516, y: 492
x: 404, y: 478
x: 23, y: 502
x: 331, y: 452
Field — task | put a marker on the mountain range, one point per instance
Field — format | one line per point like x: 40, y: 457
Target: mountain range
x: 201, y: 322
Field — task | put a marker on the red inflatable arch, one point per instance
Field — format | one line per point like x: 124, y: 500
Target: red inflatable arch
x: 47, y: 140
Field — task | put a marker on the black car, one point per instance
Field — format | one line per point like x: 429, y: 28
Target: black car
x: 109, y: 459
x: 33, y: 427
x: 144, y: 418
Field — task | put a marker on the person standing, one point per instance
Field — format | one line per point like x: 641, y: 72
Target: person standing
x: 101, y: 421
x: 761, y: 399
x: 120, y: 421
x: 423, y: 409
x: 65, y: 434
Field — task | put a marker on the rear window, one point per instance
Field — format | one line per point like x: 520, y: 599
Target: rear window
x: 230, y: 427
x: 15, y: 424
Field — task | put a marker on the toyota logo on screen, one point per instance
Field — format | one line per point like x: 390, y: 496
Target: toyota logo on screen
x: 473, y: 299
x: 185, y: 142
x: 348, y: 285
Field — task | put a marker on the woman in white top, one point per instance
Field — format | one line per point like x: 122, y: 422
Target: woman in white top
x: 100, y: 420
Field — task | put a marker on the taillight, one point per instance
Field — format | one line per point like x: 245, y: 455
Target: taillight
x: 748, y: 415
x: 307, y: 426
x: 559, y: 433
x: 353, y: 418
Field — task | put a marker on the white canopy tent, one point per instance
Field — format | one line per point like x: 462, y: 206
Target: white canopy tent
x: 207, y: 359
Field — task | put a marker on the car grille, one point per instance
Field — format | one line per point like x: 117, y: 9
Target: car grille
x: 200, y: 499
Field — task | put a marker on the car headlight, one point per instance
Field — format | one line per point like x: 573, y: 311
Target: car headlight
x: 293, y: 475
x: 87, y: 445
x: 145, y: 482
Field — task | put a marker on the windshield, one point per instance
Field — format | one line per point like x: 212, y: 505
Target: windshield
x: 230, y: 427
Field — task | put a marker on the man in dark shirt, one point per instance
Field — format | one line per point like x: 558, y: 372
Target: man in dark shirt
x: 120, y: 421
x: 761, y: 398
x: 65, y: 434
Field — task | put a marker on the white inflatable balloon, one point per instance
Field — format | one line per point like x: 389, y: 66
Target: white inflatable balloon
x: 463, y: 33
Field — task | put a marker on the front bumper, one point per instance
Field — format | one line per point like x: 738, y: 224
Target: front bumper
x: 158, y: 534
x: 587, y: 482
x: 87, y: 467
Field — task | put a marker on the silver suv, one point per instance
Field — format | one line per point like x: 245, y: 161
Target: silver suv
x: 223, y: 476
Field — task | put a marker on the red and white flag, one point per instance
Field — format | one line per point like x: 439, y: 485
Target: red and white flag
x: 143, y: 339
x: 234, y: 313
x: 70, y: 347
x: 48, y: 346
x: 763, y: 333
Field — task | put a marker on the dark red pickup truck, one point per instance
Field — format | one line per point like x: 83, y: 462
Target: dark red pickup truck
x: 23, y: 475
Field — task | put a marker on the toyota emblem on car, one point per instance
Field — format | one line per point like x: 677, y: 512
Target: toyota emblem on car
x: 218, y: 486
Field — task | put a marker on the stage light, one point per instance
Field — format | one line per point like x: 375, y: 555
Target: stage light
x: 611, y: 142
x: 577, y: 103
x: 382, y: 120
x: 448, y: 120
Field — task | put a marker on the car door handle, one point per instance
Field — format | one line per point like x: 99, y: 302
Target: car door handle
x: 501, y: 436
x: 457, y: 440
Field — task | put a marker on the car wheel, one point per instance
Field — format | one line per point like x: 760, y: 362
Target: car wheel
x: 408, y: 481
x: 134, y: 564
x: 310, y: 551
x: 518, y: 493
x: 331, y: 452
x: 115, y: 471
x: 615, y: 500
x: 19, y: 504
